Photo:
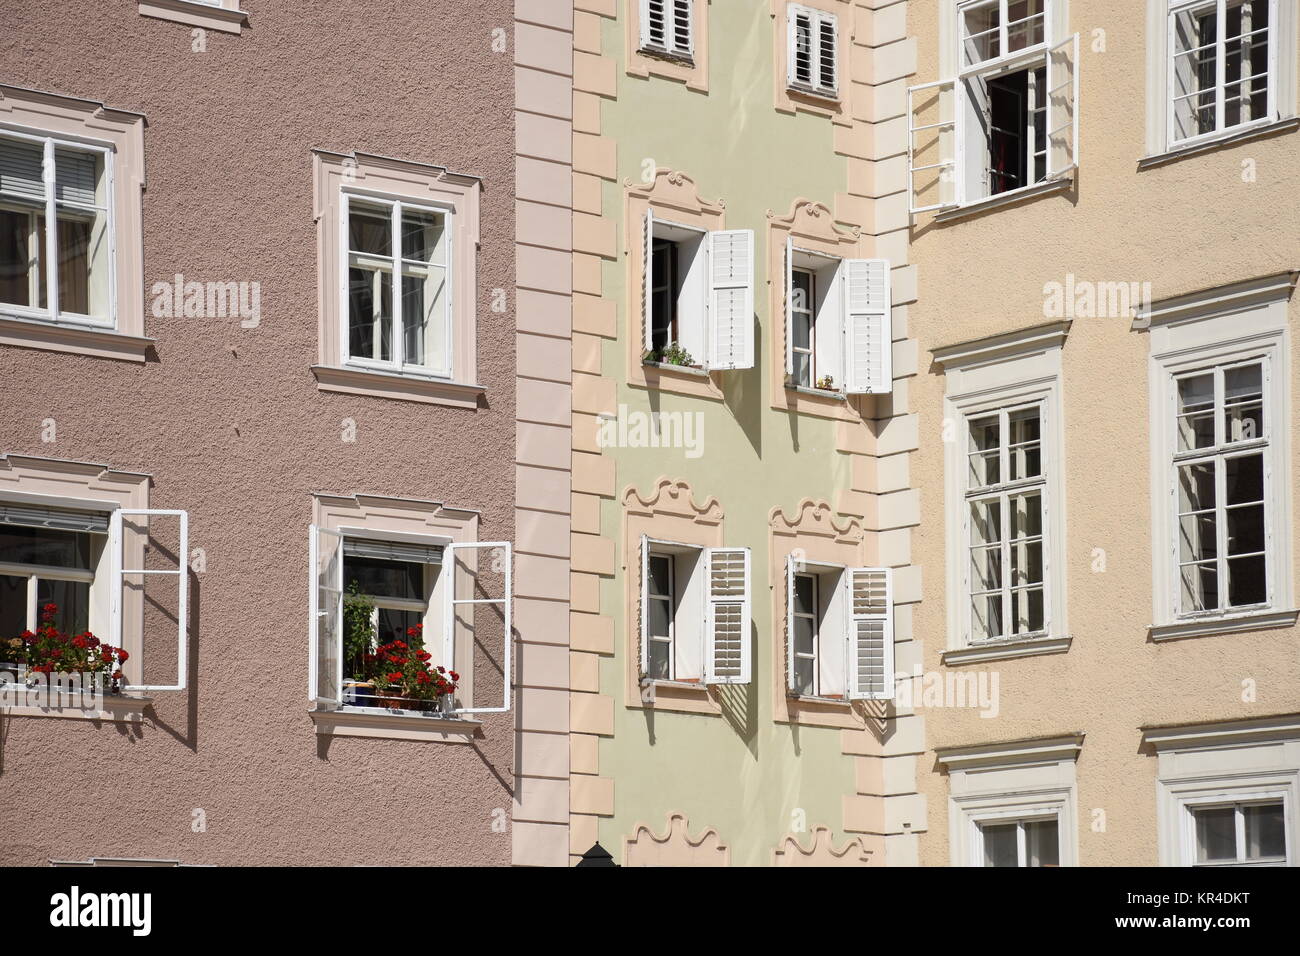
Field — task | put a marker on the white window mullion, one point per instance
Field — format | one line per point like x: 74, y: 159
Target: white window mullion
x: 399, y: 358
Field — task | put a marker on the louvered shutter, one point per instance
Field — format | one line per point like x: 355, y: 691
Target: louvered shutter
x: 826, y: 54
x: 392, y: 551
x: 1063, y: 108
x: 870, y: 637
x: 21, y: 169
x: 726, y: 631
x: 931, y: 146
x: 799, y: 49
x: 325, y: 628
x: 683, y: 40
x: 731, y: 299
x: 868, y: 334
x: 654, y: 29
x: 647, y: 279
x: 36, y: 516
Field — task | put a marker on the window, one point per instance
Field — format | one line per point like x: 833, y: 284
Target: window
x: 839, y: 623
x: 1220, y: 474
x: 64, y: 274
x: 441, y: 599
x: 1027, y: 842
x: 695, y: 613
x: 1007, y: 120
x: 1006, y: 525
x: 839, y: 333
x: 811, y: 65
x: 398, y: 253
x: 1222, y: 66
x: 106, y: 572
x: 1240, y: 834
x: 698, y: 296
x: 666, y: 27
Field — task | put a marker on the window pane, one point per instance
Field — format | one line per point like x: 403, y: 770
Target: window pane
x: 1024, y: 24
x: 1026, y: 515
x: 73, y: 600
x: 985, y: 522
x: 803, y: 369
x: 986, y: 616
x: 56, y: 549
x: 1245, y: 62
x: 1196, y: 412
x: 1000, y: 844
x: 370, y: 313
x: 394, y: 624
x: 803, y: 675
x: 1025, y: 452
x: 424, y: 237
x: 660, y: 574
x: 986, y: 569
x: 1265, y: 831
x: 13, y: 611
x: 985, y: 466
x: 370, y: 229
x: 1194, y: 71
x: 1243, y: 403
x: 1042, y: 843
x: 424, y: 317
x: 1027, y: 611
x: 83, y: 262
x: 663, y: 291
x: 660, y: 652
x: 1245, y: 479
x: 661, y: 617
x: 392, y: 579
x: 21, y: 253
x: 1247, y: 581
x: 1216, y: 834
x: 803, y: 594
x: 980, y: 33
x: 1199, y: 587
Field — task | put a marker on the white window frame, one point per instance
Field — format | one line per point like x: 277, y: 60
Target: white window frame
x: 1003, y: 491
x: 671, y: 47
x: 1209, y: 335
x: 816, y: 618
x: 1177, y: 7
x: 117, y: 600
x: 396, y: 206
x: 961, y: 408
x: 52, y: 314
x: 816, y: 20
x: 1019, y: 815
x: 1238, y: 801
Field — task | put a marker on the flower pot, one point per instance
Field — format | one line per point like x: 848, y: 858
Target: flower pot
x: 446, y: 703
x: 392, y: 699
x: 360, y: 693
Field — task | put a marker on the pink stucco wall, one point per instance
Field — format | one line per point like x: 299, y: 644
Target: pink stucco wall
x: 230, y: 424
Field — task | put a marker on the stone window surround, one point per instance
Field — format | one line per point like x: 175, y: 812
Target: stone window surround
x: 1029, y: 777
x: 357, y: 515
x: 786, y: 100
x: 121, y: 132
x: 693, y: 72
x: 224, y: 15
x: 362, y: 174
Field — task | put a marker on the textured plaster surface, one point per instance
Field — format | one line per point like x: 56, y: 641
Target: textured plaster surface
x: 231, y: 426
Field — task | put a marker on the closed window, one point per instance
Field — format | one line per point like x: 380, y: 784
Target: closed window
x: 1239, y: 834
x: 1034, y: 841
x: 666, y: 27
x: 63, y: 274
x: 695, y: 613
x: 811, y: 54
x: 1222, y: 66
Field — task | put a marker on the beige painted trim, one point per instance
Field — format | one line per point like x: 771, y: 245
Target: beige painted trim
x: 822, y: 852
x: 693, y: 72
x: 227, y: 17
x: 1233, y: 137
x: 997, y: 348
x: 90, y: 121
x: 787, y: 100
x: 1231, y: 733
x: 811, y: 226
x: 673, y: 196
x: 1006, y: 650
x: 1217, y: 300
x: 426, y: 727
x: 360, y: 174
x: 1012, y: 197
x: 668, y: 512
x: 1031, y: 750
x: 676, y: 847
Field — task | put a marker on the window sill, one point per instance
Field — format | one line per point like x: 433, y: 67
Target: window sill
x: 409, y: 388
x: 830, y: 394
x: 21, y: 701
x: 1010, y: 198
x: 374, y: 722
x: 687, y: 697
x: 655, y: 53
x: 1222, y: 141
x: 195, y: 14
x: 828, y: 97
x: 1235, y: 624
x: 77, y: 339
x: 1007, y: 650
x: 695, y: 370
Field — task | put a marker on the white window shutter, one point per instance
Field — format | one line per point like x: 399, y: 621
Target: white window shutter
x: 652, y: 21
x: 792, y: 46
x: 647, y: 279
x: 641, y: 605
x: 117, y: 602
x: 466, y: 553
x: 931, y: 146
x: 1063, y: 108
x: 827, y: 60
x: 789, y: 621
x: 726, y: 630
x: 325, y: 647
x: 870, y: 637
x: 789, y: 308
x: 731, y: 299
x: 868, y: 332
x: 683, y: 37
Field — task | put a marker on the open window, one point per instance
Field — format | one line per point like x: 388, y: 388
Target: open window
x: 1007, y: 120
x: 839, y: 335
x: 409, y: 623
x: 698, y: 295
x: 695, y: 613
x: 812, y: 60
x: 111, y: 578
x: 840, y: 633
